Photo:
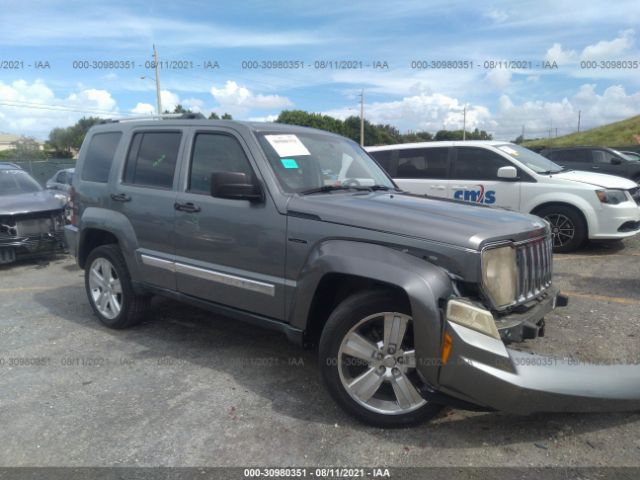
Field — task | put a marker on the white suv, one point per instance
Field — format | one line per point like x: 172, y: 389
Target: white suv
x: 578, y: 205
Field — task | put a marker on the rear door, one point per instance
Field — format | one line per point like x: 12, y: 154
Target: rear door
x: 423, y: 170
x: 474, y: 179
x: 575, y: 159
x: 145, y: 194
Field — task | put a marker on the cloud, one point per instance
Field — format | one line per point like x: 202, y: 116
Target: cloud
x: 610, y: 49
x: 266, y: 118
x: 238, y: 99
x: 169, y: 100
x: 431, y: 112
x: 143, y: 109
x: 32, y: 108
x: 499, y: 78
x: 560, y: 56
x: 497, y: 15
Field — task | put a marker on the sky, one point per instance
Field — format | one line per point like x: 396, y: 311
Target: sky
x: 568, y: 59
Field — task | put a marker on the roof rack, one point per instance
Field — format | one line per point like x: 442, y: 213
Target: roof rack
x: 164, y: 116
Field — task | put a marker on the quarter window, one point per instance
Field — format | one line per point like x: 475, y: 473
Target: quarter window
x: 478, y: 164
x: 99, y: 156
x: 152, y: 159
x: 422, y: 163
x: 215, y: 153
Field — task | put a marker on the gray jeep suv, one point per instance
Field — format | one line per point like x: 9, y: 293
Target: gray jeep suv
x: 411, y: 301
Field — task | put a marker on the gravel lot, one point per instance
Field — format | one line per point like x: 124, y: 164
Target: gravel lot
x: 188, y: 389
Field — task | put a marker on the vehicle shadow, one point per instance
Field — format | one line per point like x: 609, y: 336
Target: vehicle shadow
x: 265, y: 363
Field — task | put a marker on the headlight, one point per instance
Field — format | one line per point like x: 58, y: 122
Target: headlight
x: 470, y: 316
x: 612, y: 197
x: 499, y: 275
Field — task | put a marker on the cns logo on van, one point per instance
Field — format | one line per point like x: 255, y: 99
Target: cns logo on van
x: 477, y: 195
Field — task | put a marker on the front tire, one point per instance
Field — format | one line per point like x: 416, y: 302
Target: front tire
x: 368, y: 361
x: 109, y: 289
x: 568, y: 227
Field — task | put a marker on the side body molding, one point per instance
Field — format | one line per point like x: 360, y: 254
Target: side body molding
x: 425, y: 284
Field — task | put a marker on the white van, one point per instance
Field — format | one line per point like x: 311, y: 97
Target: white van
x: 578, y: 205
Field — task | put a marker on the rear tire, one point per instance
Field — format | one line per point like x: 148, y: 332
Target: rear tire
x: 367, y: 360
x: 568, y: 227
x: 109, y: 289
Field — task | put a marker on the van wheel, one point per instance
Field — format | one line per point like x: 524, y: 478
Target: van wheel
x: 568, y: 228
x: 368, y: 361
x: 109, y: 289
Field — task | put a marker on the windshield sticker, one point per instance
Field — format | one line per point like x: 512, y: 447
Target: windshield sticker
x: 509, y: 150
x: 289, y: 163
x: 287, y: 145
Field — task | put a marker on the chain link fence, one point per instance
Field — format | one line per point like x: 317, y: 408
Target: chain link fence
x: 43, y: 170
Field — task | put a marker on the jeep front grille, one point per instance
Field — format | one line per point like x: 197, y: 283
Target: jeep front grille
x: 535, y: 266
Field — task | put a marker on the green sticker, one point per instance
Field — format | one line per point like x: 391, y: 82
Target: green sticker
x: 289, y: 163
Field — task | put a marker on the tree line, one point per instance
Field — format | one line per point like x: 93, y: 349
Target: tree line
x: 65, y: 142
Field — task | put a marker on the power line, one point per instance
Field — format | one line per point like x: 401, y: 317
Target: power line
x: 55, y: 108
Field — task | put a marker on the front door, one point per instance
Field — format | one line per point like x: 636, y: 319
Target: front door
x: 228, y: 251
x: 474, y: 179
x: 423, y: 170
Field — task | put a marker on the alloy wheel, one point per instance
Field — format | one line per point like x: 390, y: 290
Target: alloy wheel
x: 377, y: 364
x: 105, y: 288
x: 562, y: 229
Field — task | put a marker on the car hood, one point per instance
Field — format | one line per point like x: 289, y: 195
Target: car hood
x: 596, y: 179
x: 29, y: 203
x: 431, y: 219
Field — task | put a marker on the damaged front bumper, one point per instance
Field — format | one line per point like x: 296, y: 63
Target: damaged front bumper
x: 30, y: 235
x: 481, y: 371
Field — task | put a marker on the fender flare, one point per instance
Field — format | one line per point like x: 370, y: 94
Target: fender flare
x: 118, y: 225
x: 424, y: 283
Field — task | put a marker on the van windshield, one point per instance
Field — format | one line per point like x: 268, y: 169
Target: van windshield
x: 311, y: 162
x: 531, y: 159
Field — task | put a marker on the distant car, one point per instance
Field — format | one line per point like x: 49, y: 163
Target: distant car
x: 31, y: 219
x: 596, y: 159
x: 578, y: 205
x: 633, y: 155
x: 61, y: 180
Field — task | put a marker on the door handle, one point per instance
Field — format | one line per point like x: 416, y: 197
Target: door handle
x: 120, y: 197
x: 595, y: 168
x: 186, y: 207
x: 438, y: 187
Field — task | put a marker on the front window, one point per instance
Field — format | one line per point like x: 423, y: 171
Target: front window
x: 13, y: 182
x: 531, y: 159
x: 305, y: 161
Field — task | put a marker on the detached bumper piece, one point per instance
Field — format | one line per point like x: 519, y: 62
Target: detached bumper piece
x: 31, y: 234
x: 481, y: 370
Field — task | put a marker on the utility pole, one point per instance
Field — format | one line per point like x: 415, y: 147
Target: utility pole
x: 522, y: 135
x: 556, y: 132
x: 362, y: 118
x: 579, y: 114
x: 155, y: 60
x: 464, y: 123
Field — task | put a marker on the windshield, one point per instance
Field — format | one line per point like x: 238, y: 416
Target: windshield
x: 305, y: 162
x: 627, y: 156
x: 531, y: 159
x: 13, y: 182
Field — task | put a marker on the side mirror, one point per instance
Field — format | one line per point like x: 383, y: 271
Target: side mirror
x: 616, y: 161
x: 236, y: 186
x: 508, y: 173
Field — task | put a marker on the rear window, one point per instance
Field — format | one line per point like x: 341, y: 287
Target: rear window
x: 152, y: 159
x: 99, y: 156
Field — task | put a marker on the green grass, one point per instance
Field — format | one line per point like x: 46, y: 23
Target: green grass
x: 618, y: 134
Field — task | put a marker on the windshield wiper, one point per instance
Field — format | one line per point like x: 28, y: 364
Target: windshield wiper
x: 326, y: 188
x: 359, y: 188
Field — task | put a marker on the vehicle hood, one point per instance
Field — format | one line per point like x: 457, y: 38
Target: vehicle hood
x: 596, y: 179
x: 29, y: 203
x: 431, y: 219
